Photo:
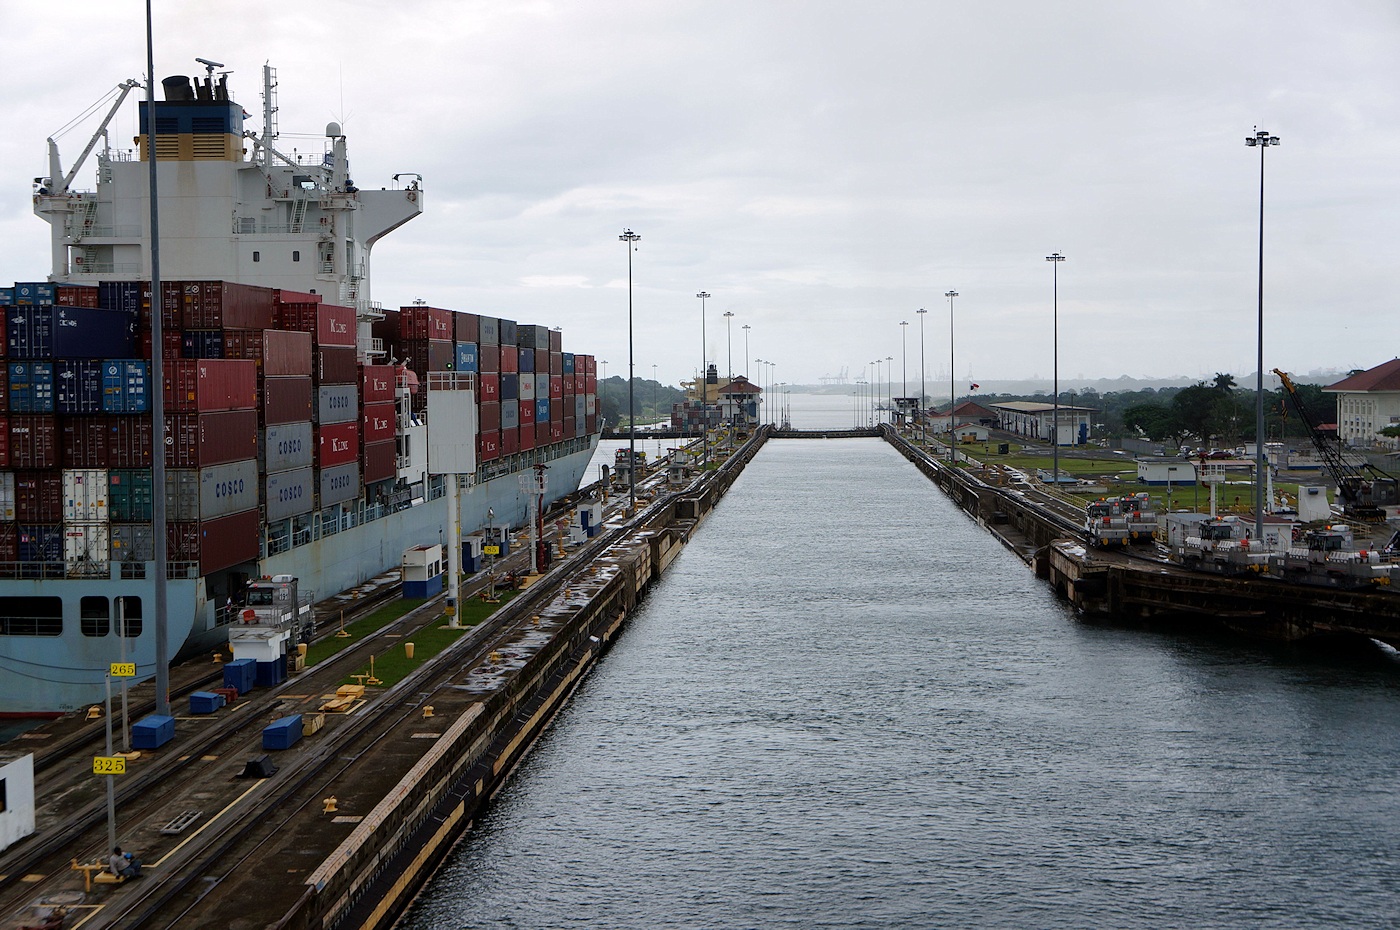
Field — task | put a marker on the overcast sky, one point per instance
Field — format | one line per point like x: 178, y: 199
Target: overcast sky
x: 823, y: 169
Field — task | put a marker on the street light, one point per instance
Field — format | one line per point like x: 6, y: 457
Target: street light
x: 629, y: 237
x: 653, y: 389
x: 952, y: 383
x: 729, y: 339
x: 1055, y: 259
x: 918, y: 408
x: 904, y: 357
x: 889, y: 386
x: 1262, y: 140
x: 746, y: 329
x: 704, y: 386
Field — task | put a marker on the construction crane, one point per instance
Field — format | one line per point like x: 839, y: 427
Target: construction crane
x: 1364, y: 491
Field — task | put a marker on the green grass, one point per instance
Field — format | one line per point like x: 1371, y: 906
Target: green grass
x: 360, y: 629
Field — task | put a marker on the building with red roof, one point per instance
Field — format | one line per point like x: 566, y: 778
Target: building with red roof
x: 1367, y: 402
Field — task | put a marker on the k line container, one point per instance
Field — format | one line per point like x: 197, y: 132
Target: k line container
x: 290, y: 493
x: 338, y: 444
x: 287, y: 446
x: 426, y: 323
x: 378, y: 424
x: 337, y: 403
x: 286, y: 400
x: 340, y: 483
x: 335, y: 325
x: 488, y: 388
x: 527, y: 412
x: 377, y: 383
x: 489, y: 445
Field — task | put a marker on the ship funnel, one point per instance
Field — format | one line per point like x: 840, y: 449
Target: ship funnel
x: 177, y: 88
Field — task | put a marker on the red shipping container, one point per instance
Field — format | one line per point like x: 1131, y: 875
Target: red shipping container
x: 488, y: 417
x: 556, y: 389
x: 196, y: 440
x: 590, y: 384
x: 426, y: 323
x: 280, y: 296
x: 244, y: 344
x: 489, y: 387
x: 85, y: 441
x: 336, y: 365
x: 442, y: 355
x: 527, y: 438
x: 75, y: 295
x: 591, y: 423
x: 171, y: 338
x: 225, y: 305
x: 378, y: 424
x: 468, y: 327
x: 337, y: 444
x: 556, y: 432
x: 130, y: 442
x: 488, y: 446
x: 335, y: 325
x: 556, y: 341
x: 541, y: 434
x: 285, y: 353
x: 570, y: 428
x: 380, y: 461
x: 556, y: 364
x: 527, y: 413
x: 33, y: 442
x: 39, y: 496
x: 182, y: 542
x: 204, y: 385
x: 376, y: 383
x: 510, y: 441
x: 488, y: 360
x: 510, y: 360
x: 4, y: 445
x: 580, y: 383
x: 286, y: 400
x: 297, y: 317
x: 227, y: 541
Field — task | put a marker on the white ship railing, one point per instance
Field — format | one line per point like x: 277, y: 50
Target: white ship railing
x: 106, y: 267
x: 124, y: 231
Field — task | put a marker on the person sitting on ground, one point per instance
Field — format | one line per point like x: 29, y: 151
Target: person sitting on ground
x: 125, y: 865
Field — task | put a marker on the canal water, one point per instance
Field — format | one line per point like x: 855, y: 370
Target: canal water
x: 847, y: 706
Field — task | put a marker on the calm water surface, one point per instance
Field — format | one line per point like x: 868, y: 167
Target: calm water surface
x: 847, y: 706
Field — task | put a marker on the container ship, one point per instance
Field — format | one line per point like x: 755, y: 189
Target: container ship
x: 295, y: 407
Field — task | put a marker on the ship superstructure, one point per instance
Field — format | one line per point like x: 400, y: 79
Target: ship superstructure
x: 296, y: 417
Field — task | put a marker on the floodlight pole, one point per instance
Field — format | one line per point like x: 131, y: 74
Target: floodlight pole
x: 704, y: 387
x: 629, y: 237
x: 1262, y: 140
x: 1055, y: 259
x: 952, y: 385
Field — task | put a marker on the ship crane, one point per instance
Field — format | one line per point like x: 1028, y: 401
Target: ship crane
x: 60, y: 182
x: 1364, y: 491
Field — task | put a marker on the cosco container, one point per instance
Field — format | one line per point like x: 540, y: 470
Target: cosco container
x: 510, y: 415
x: 377, y: 383
x: 542, y: 410
x: 337, y: 403
x: 490, y: 331
x: 336, y: 365
x: 580, y: 406
x: 129, y: 497
x: 85, y: 495
x: 226, y: 489
x: 380, y: 461
x: 568, y: 362
x: 509, y: 332
x: 289, y: 493
x: 126, y: 386
x: 466, y: 356
x: 286, y: 400
x: 542, y: 385
x: 132, y: 542
x: 287, y: 446
x: 31, y: 387
x: 33, y: 442
x: 86, y: 548
x: 338, y: 444
x: 228, y: 541
x: 38, y: 497
x: 340, y: 483
x: 378, y: 424
x: 225, y: 305
x: 286, y: 354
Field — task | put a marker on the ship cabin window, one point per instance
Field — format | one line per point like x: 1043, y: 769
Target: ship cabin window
x: 3, y: 805
x: 129, y: 616
x: 257, y: 256
x: 96, y: 616
x: 31, y: 616
x: 296, y: 255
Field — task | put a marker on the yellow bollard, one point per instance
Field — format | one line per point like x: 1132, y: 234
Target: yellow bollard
x: 427, y: 710
x: 408, y: 650
x: 328, y: 805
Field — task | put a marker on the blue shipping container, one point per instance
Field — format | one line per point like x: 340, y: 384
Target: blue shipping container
x: 69, y: 332
x: 240, y: 675
x: 121, y: 295
x: 126, y: 386
x: 542, y: 385
x: 568, y: 363
x: 77, y: 386
x: 542, y: 409
x: 527, y: 361
x: 510, y: 387
x: 268, y: 674
x: 7, y: 297
x: 198, y: 343
x: 31, y: 294
x: 40, y: 542
x: 283, y: 733
x: 152, y: 732
x: 31, y: 387
x: 466, y: 356
x: 205, y: 702
x: 510, y: 415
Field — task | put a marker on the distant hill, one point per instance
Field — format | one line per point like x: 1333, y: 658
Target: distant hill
x: 1029, y: 386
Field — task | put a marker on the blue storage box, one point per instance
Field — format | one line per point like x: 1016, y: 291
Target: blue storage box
x: 283, y: 733
x: 152, y: 732
x: 271, y: 673
x: 205, y: 702
x: 240, y: 674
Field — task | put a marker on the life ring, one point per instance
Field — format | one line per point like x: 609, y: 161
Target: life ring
x: 250, y: 616
x: 412, y: 196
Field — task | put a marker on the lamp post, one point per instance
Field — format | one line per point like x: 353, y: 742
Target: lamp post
x: 904, y: 357
x: 1262, y: 140
x: 1055, y: 258
x: 653, y: 389
x: 919, y: 406
x: 629, y: 237
x: 746, y: 329
x: 889, y: 387
x: 729, y: 340
x: 952, y: 383
x: 704, y: 387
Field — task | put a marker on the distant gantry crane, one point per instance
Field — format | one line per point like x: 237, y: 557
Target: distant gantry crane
x: 842, y: 378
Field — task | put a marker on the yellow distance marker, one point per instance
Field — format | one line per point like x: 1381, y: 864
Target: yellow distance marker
x: 108, y: 765
x: 123, y: 670
x: 491, y: 550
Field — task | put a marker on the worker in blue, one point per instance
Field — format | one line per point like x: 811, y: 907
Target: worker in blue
x: 124, y: 864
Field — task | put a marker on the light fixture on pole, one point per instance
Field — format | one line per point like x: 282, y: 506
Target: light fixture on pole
x: 1262, y: 140
x: 1055, y: 259
x: 889, y: 387
x: 746, y: 329
x: 704, y: 386
x: 952, y: 383
x: 729, y: 339
x: 629, y: 237
x: 653, y: 389
x: 904, y: 357
x: 918, y: 408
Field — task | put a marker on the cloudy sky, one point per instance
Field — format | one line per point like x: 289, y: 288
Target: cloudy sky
x: 823, y: 168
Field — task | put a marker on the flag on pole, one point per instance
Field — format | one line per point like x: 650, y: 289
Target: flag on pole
x: 976, y: 386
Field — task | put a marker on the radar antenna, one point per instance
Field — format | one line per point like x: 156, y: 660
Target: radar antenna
x: 209, y: 66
